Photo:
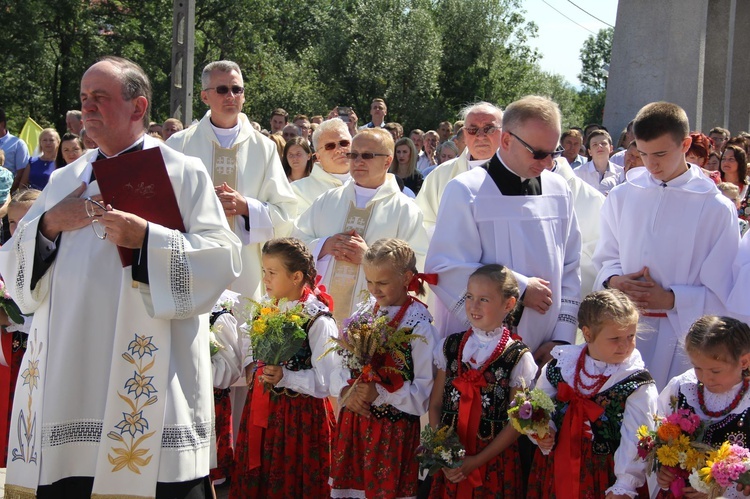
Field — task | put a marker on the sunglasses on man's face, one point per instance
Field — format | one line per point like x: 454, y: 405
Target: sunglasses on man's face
x: 537, y: 154
x: 332, y: 145
x: 224, y: 89
x: 364, y: 155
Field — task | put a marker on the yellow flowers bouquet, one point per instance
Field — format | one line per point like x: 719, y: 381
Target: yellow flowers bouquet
x: 275, y: 332
x: 725, y: 467
x: 438, y: 449
x: 676, y: 444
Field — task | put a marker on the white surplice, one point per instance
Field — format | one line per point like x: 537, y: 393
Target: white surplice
x: 686, y: 234
x: 260, y: 179
x: 587, y: 203
x: 393, y: 215
x: 640, y: 407
x: 309, y: 188
x: 739, y: 299
x: 534, y: 236
x: 433, y: 188
x: 84, y: 306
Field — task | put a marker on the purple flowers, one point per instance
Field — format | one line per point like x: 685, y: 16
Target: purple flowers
x: 526, y: 410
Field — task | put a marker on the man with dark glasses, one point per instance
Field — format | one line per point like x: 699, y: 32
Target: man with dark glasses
x: 514, y: 212
x: 244, y: 166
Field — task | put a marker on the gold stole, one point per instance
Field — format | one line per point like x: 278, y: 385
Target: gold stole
x: 344, y: 274
x: 225, y: 169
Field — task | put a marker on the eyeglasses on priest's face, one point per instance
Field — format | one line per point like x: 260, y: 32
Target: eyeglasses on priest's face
x: 487, y: 129
x: 364, y: 155
x: 224, y: 89
x: 341, y: 143
x: 538, y: 154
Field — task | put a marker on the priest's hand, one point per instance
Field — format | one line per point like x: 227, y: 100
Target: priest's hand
x: 232, y: 201
x: 543, y: 355
x: 538, y: 295
x: 68, y: 214
x: 353, y: 247
x: 635, y: 286
x: 124, y: 229
x: 272, y: 374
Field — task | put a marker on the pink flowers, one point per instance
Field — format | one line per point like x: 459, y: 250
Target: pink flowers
x: 687, y: 420
x: 526, y: 410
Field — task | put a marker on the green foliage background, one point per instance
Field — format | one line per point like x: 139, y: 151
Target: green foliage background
x: 426, y: 58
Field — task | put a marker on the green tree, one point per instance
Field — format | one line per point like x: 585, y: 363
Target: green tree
x: 595, y: 57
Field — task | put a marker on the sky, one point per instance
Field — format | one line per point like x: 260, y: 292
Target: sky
x: 560, y: 40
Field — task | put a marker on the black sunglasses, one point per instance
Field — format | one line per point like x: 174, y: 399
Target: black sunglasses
x: 365, y: 155
x: 332, y: 145
x: 539, y: 154
x: 223, y: 89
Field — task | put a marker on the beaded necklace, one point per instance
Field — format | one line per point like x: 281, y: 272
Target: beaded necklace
x: 579, y: 384
x: 500, y: 348
x: 732, y: 406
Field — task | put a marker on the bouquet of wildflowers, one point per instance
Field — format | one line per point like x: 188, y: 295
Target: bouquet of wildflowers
x: 439, y: 449
x: 676, y: 444
x: 366, y: 344
x: 275, y: 331
x: 8, y: 305
x: 531, y: 411
x: 725, y: 467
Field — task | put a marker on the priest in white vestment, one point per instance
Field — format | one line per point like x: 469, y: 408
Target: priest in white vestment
x: 115, y: 394
x: 342, y: 222
x: 482, y: 123
x: 244, y: 167
x: 668, y: 239
x: 587, y: 204
x: 332, y: 142
x: 516, y: 213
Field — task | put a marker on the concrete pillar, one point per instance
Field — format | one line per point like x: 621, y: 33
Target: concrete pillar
x: 183, y: 54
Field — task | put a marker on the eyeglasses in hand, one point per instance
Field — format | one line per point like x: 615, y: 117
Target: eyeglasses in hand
x: 95, y: 209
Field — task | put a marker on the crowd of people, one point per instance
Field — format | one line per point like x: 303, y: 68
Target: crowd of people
x: 517, y: 253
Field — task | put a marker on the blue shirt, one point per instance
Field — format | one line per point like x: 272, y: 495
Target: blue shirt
x: 16, y: 152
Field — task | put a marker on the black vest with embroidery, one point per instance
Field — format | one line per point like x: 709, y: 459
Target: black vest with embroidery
x: 495, y: 396
x: 606, y: 429
x: 734, y: 428
x: 302, y: 360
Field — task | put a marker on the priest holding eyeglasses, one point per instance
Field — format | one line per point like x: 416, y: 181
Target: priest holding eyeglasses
x: 341, y: 223
x: 514, y: 212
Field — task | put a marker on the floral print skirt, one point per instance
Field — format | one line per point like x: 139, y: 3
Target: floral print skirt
x: 295, y: 454
x: 374, y: 458
x: 224, y: 446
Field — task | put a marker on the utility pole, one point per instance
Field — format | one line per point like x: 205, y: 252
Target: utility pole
x: 183, y: 52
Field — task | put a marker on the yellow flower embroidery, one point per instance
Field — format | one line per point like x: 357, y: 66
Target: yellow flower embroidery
x: 142, y: 345
x: 31, y: 375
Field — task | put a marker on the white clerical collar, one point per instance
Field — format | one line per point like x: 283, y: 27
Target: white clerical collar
x: 364, y: 195
x: 343, y: 177
x: 137, y: 141
x: 226, y: 136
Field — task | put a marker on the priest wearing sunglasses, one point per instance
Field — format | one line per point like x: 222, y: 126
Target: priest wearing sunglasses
x: 341, y: 224
x: 514, y: 212
x: 245, y: 169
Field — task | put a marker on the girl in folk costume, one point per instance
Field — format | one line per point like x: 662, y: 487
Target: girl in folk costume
x: 283, y: 445
x: 377, y: 433
x: 716, y: 389
x: 227, y: 354
x: 603, y: 393
x: 14, y: 335
x: 479, y: 372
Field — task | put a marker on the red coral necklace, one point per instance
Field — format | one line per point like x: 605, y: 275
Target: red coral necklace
x: 400, y: 314
x: 579, y: 384
x: 732, y: 406
x: 500, y: 348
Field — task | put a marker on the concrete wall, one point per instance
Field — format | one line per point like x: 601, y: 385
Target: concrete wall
x: 694, y: 53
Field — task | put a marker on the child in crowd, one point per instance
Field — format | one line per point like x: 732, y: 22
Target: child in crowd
x: 377, y: 434
x: 227, y: 355
x: 290, y: 457
x: 732, y: 192
x: 15, y: 335
x: 716, y: 389
x: 479, y: 372
x: 603, y: 394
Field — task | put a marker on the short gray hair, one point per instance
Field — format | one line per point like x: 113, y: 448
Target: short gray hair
x: 134, y: 81
x: 481, y: 106
x: 332, y: 125
x: 221, y: 66
x: 75, y: 113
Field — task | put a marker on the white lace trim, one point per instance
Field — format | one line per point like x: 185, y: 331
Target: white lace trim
x: 480, y: 345
x: 415, y: 314
x: 714, y: 401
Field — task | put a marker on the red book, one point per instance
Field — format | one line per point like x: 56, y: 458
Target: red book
x: 138, y: 183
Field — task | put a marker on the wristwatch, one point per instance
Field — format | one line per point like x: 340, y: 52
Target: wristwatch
x: 605, y: 284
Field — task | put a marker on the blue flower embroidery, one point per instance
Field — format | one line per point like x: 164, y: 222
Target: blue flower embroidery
x: 141, y: 385
x: 132, y: 423
x: 141, y: 346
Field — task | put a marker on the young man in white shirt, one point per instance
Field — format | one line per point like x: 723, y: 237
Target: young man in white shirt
x: 599, y: 172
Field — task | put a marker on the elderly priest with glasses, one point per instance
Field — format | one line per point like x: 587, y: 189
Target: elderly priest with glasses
x: 115, y: 397
x: 514, y: 212
x: 341, y: 223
